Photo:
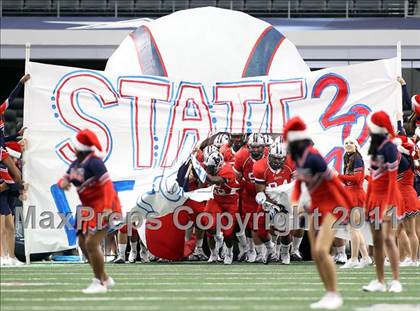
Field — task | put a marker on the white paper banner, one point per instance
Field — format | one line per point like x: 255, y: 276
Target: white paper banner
x: 147, y: 124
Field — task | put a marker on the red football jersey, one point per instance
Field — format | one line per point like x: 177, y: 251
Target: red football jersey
x: 244, y: 164
x: 229, y: 154
x: 264, y: 174
x: 228, y: 190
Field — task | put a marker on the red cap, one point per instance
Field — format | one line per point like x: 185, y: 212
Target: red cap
x: 295, y: 129
x: 380, y: 123
x: 405, y: 145
x: 14, y: 149
x: 86, y: 140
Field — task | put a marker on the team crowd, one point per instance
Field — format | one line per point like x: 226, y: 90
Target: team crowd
x: 247, y: 171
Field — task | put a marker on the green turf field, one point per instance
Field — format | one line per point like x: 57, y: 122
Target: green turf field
x: 192, y: 286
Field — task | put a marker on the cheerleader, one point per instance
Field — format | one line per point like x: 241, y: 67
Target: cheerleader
x: 354, y: 174
x: 95, y: 189
x: 383, y: 200
x: 329, y: 201
x: 409, y: 196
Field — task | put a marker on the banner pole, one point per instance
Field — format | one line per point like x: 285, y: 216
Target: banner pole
x: 398, y: 69
x: 25, y: 156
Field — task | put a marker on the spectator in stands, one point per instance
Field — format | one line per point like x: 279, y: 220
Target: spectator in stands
x: 5, y: 159
x: 9, y: 192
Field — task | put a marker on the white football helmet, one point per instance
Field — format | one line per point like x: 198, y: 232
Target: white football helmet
x: 256, y: 140
x: 220, y: 140
x: 268, y: 139
x: 279, y: 139
x: 214, y: 162
x: 277, y: 155
x: 208, y: 150
x: 256, y: 145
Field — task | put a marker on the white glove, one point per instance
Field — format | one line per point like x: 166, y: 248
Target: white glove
x: 260, y: 198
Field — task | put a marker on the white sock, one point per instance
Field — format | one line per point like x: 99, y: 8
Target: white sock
x: 296, y: 243
x: 251, y: 244
x: 219, y: 241
x: 284, y: 248
x: 278, y: 249
x: 213, y: 251
x: 269, y: 245
x: 242, y: 240
x: 121, y: 250
x: 229, y: 250
x: 199, y: 243
x: 341, y: 249
x: 133, y: 246
x: 258, y: 248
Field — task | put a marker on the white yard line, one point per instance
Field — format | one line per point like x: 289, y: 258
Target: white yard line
x: 201, y: 273
x: 162, y: 290
x: 137, y: 282
x: 140, y: 279
x: 205, y: 298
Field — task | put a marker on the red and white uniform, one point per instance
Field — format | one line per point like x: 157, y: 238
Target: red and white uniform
x: 353, y: 181
x: 383, y: 190
x: 94, y: 187
x: 225, y: 198
x: 229, y: 154
x: 265, y: 175
x: 244, y: 165
x: 325, y: 189
x: 405, y: 179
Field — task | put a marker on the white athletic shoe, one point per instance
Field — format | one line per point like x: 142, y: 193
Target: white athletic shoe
x: 251, y: 256
x: 213, y: 257
x: 146, y: 256
x: 96, y: 287
x: 15, y: 262
x: 408, y: 262
x: 271, y: 256
x: 295, y: 255
x: 243, y: 253
x: 109, y: 283
x: 119, y: 260
x: 395, y: 287
x: 364, y: 262
x: 259, y: 258
x: 4, y: 261
x: 285, y: 258
x: 132, y: 257
x: 340, y: 258
x: 109, y: 258
x: 350, y: 264
x: 199, y: 254
x: 285, y: 254
x: 222, y: 253
x: 374, y: 286
x: 330, y: 301
x: 228, y: 258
